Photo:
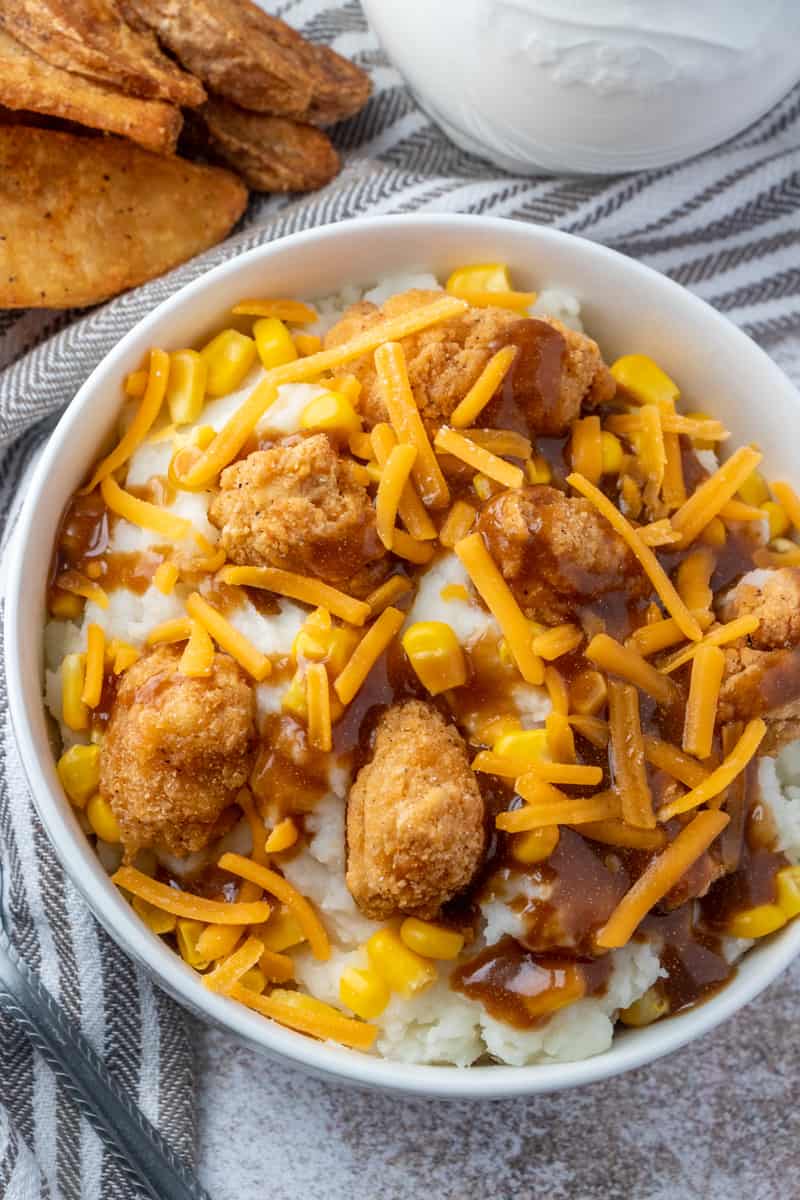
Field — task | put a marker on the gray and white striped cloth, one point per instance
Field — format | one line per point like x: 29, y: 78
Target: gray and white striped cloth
x: 725, y: 225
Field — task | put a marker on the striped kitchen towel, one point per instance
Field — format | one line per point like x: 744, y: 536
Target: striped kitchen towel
x: 725, y: 225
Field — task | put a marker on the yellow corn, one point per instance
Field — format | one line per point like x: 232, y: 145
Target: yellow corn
x: 346, y: 385
x: 73, y: 675
x: 155, y: 918
x: 281, y: 837
x: 754, y: 490
x: 787, y: 882
x: 481, y: 277
x: 611, y: 453
x: 756, y: 922
x: 330, y: 413
x: 776, y: 515
x: 186, y: 386
x: 228, y: 358
x: 648, y: 1008
x: 430, y: 940
x: 332, y: 646
x: 645, y: 380
x: 715, y: 533
x: 536, y: 845
x: 79, y: 772
x: 294, y: 700
x: 136, y: 383
x: 282, y: 931
x: 165, y: 577
x: 523, y: 747
x: 400, y: 968
x: 537, y: 470
x: 102, y: 819
x: 436, y: 656
x: 186, y: 934
x: 273, y: 342
x: 66, y: 605
x: 307, y: 343
x: 363, y: 991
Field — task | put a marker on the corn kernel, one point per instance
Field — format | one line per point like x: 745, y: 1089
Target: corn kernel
x: 307, y: 343
x: 273, y: 342
x: 102, y: 820
x: 525, y: 747
x: 333, y: 646
x: 715, y: 533
x: 348, y: 386
x: 754, y: 490
x: 254, y: 980
x: 165, y: 577
x: 281, y: 931
x: 645, y: 380
x: 228, y: 358
x: 404, y: 971
x: 293, y: 700
x: 186, y: 386
x: 537, y: 470
x: 66, y: 605
x: 363, y: 992
x: 648, y: 1008
x: 430, y: 940
x: 483, y: 486
x: 787, y: 882
x: 776, y: 515
x: 79, y: 772
x: 536, y: 845
x: 186, y: 934
x: 155, y: 918
x: 330, y: 413
x: 436, y: 656
x: 483, y: 277
x: 756, y: 922
x: 73, y: 677
x: 282, y: 837
x: 612, y: 454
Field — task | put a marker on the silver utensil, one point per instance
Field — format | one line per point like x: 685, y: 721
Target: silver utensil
x: 144, y: 1156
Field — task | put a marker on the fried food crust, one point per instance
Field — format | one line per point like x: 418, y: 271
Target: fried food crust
x: 415, y: 817
x: 556, y: 551
x: 85, y: 218
x: 176, y: 752
x: 556, y: 369
x: 777, y: 606
x: 763, y: 683
x: 297, y: 506
x: 272, y: 154
x: 94, y: 40
x: 28, y: 83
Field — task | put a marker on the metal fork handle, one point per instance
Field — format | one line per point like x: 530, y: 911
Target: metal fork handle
x: 147, y: 1159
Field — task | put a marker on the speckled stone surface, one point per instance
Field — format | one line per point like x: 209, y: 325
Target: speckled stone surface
x: 719, y: 1120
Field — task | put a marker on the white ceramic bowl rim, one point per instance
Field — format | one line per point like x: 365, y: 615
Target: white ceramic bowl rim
x: 23, y: 649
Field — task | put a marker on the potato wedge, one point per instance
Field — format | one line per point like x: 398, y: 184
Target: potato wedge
x: 29, y: 83
x: 83, y: 218
x: 272, y: 154
x: 94, y: 40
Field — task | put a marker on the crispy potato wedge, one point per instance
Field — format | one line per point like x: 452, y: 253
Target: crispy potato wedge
x: 229, y: 45
x: 83, y: 218
x: 272, y: 154
x: 28, y: 82
x: 94, y: 39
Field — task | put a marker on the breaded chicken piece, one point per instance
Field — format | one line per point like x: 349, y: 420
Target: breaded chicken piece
x: 415, y: 817
x: 176, y: 752
x: 297, y: 506
x: 763, y: 683
x: 555, y: 371
x: 776, y: 604
x: 556, y: 551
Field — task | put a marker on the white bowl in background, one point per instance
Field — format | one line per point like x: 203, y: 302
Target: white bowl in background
x: 591, y: 86
x: 628, y: 307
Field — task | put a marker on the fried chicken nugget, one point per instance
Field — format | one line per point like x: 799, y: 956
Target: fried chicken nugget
x: 84, y: 218
x: 94, y: 40
x: 29, y: 83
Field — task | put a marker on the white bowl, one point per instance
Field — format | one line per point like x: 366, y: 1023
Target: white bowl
x: 628, y: 308
x: 590, y: 86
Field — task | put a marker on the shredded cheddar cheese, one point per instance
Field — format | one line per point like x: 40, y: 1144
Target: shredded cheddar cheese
x: 148, y: 410
x: 548, y: 806
x: 387, y: 593
x: 176, y: 630
x: 457, y: 523
x: 303, y: 1013
x: 292, y: 311
x: 183, y: 904
x: 555, y: 642
x: 708, y: 666
x: 318, y: 700
x: 143, y: 513
x: 627, y: 744
x: 95, y: 665
x: 787, y: 496
x: 484, y: 388
x: 299, y: 587
x: 694, y: 578
x: 618, y: 833
x: 586, y: 448
x: 707, y: 500
x: 410, y: 508
x: 673, y: 487
x: 674, y: 762
x: 717, y: 781
x: 282, y: 890
x: 228, y: 973
x: 197, y: 659
x: 390, y: 364
x: 224, y: 634
x: 448, y: 441
x: 394, y: 478
x: 79, y: 585
x: 730, y: 632
x: 557, y: 690
x: 367, y: 653
x: 628, y: 664
x: 502, y: 442
x: 405, y: 546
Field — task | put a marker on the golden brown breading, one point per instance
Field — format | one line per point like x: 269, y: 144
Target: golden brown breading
x: 415, y: 817
x: 230, y: 45
x: 176, y: 752
x: 84, y: 218
x: 29, y: 83
x: 763, y: 683
x: 298, y: 506
x: 272, y: 154
x: 776, y: 604
x: 556, y: 369
x: 95, y: 41
x: 556, y: 551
